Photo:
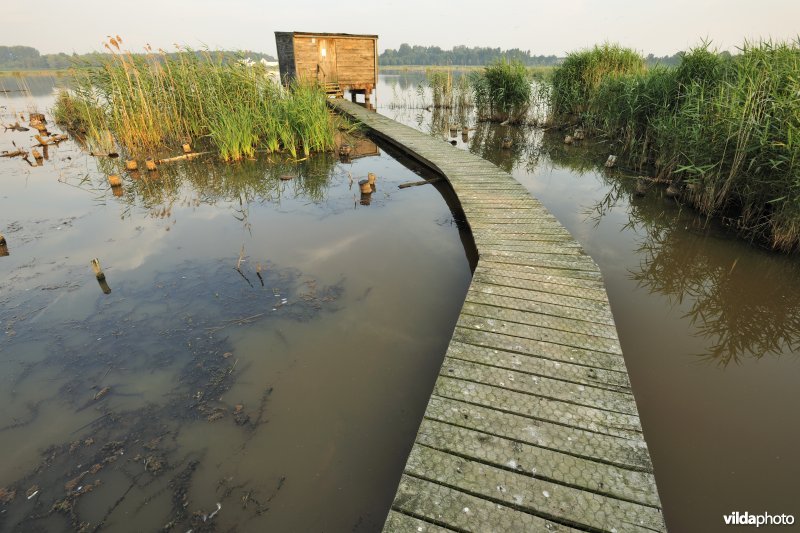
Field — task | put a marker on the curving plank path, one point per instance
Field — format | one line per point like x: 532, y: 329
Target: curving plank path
x: 532, y: 425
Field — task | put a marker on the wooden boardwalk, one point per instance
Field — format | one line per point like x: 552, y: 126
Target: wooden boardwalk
x: 532, y: 425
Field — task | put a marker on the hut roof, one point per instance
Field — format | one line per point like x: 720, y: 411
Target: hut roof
x: 325, y: 34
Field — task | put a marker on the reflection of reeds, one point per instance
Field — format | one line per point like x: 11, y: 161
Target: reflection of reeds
x: 739, y: 303
x: 148, y: 100
x: 211, y: 182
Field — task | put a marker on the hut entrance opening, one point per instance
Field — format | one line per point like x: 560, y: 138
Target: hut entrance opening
x: 326, y: 65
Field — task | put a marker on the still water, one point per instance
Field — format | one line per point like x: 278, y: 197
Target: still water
x: 709, y: 325
x: 280, y: 396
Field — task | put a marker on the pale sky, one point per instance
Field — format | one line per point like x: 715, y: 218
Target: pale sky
x: 542, y: 27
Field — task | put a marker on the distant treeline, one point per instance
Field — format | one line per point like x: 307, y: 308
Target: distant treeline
x: 460, y: 56
x: 28, y: 58
x: 466, y: 56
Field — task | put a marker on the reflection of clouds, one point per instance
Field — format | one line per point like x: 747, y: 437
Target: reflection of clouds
x: 325, y: 252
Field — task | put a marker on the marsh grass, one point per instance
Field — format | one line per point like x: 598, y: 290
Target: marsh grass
x: 578, y: 77
x: 725, y: 129
x: 502, y: 91
x: 150, y: 100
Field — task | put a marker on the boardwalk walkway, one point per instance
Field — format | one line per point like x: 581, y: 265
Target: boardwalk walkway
x: 532, y: 425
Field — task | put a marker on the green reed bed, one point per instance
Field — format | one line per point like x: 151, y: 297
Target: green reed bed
x: 725, y: 129
x: 448, y: 91
x: 502, y: 91
x: 578, y: 77
x: 145, y: 101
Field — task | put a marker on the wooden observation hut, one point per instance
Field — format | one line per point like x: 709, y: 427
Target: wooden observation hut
x: 338, y: 61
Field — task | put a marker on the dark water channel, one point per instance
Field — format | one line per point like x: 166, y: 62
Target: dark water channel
x: 280, y: 397
x: 709, y: 325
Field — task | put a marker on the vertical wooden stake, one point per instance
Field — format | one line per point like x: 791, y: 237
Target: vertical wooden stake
x: 98, y: 270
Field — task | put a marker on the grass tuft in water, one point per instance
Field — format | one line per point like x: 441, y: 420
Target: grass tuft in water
x: 502, y: 91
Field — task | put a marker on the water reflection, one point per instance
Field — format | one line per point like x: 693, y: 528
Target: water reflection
x: 20, y: 87
x: 737, y: 299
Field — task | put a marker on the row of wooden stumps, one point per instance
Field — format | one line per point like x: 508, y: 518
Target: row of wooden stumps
x: 454, y: 133
x: 132, y: 166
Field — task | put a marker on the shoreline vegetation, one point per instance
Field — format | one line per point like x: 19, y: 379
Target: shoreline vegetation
x: 141, y: 102
x: 723, y: 130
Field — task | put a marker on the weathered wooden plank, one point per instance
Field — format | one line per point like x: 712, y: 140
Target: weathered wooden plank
x: 545, y: 350
x: 531, y: 248
x: 552, y: 276
x: 464, y: 512
x: 541, y: 320
x: 539, y: 407
x: 586, y: 275
x: 539, y: 333
x: 609, y: 480
x: 547, y: 293
x: 489, y: 228
x: 628, y: 453
x: 549, y: 500
x: 552, y: 310
x: 546, y: 387
x: 495, y: 277
x: 403, y: 523
x: 608, y: 379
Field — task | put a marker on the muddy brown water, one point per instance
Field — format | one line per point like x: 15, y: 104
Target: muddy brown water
x: 709, y: 324
x: 287, y: 392
x: 332, y: 383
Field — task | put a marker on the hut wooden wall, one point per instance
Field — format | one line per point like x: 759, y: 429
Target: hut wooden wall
x: 356, y: 61
x: 306, y: 56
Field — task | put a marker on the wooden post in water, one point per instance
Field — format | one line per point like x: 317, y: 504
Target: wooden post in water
x: 367, y: 94
x: 3, y: 246
x: 150, y: 164
x: 114, y: 180
x: 131, y: 165
x: 98, y: 270
x: 187, y: 148
x: 101, y: 277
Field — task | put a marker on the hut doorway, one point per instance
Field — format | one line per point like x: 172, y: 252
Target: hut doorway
x: 326, y: 66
